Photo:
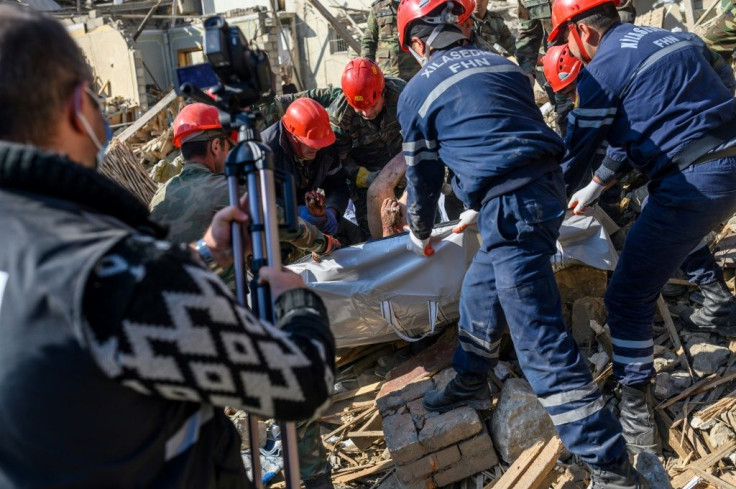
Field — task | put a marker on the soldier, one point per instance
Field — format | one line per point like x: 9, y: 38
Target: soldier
x: 720, y: 33
x: 653, y: 94
x: 364, y: 121
x: 381, y: 42
x: 273, y: 112
x: 534, y: 24
x: 491, y: 28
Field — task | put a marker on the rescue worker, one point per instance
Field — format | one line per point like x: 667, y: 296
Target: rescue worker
x: 125, y: 345
x: 653, y: 94
x: 303, y: 141
x: 187, y: 202
x: 516, y: 191
x: 534, y: 25
x: 380, y: 42
x: 365, y: 124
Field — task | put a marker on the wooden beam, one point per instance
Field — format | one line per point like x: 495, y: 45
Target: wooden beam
x: 679, y: 350
x: 689, y: 14
x: 707, y: 12
x: 531, y: 468
x: 147, y: 117
x: 339, y: 28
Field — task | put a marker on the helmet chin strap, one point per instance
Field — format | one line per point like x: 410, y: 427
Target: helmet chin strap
x: 576, y: 35
x: 424, y: 59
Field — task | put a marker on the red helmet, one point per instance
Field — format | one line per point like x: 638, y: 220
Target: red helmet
x: 362, y: 83
x: 457, y: 12
x: 560, y: 67
x: 565, y: 10
x: 193, y: 120
x: 309, y: 122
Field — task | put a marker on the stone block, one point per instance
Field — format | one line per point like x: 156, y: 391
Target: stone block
x: 584, y: 311
x: 519, y: 420
x: 425, y: 483
x: 581, y: 281
x: 428, y: 464
x: 468, y: 467
x: 391, y: 401
x: 449, y: 428
x: 443, y: 378
x: 707, y: 357
x: 401, y: 438
x: 418, y: 413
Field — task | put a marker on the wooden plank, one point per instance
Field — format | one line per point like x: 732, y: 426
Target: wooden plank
x: 365, y: 434
x: 702, y: 464
x: 703, y: 385
x: 366, y: 389
x: 147, y: 117
x: 519, y: 467
x: 339, y: 28
x: 689, y: 13
x: 535, y: 476
x: 676, y: 343
x: 707, y: 12
x: 379, y: 467
x: 716, y: 481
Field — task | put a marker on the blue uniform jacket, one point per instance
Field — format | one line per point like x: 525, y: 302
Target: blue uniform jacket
x: 473, y: 111
x: 649, y: 93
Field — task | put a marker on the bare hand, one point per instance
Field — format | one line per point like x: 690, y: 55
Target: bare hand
x: 279, y: 280
x: 218, y: 236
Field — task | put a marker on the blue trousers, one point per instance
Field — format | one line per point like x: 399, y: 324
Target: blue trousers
x: 510, y: 280
x: 701, y: 268
x: 682, y: 208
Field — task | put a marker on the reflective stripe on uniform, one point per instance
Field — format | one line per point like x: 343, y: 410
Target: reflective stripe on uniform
x: 570, y: 396
x: 632, y: 343
x: 418, y: 158
x: 579, y: 413
x: 633, y: 360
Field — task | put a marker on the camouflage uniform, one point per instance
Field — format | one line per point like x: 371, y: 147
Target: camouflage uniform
x: 720, y: 33
x: 274, y: 111
x: 366, y: 144
x: 381, y: 42
x: 312, y: 453
x: 535, y: 24
x: 188, y: 201
x: 492, y: 30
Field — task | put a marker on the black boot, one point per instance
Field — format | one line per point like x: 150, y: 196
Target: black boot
x: 637, y: 419
x: 322, y: 481
x: 621, y: 476
x: 718, y: 314
x: 468, y: 390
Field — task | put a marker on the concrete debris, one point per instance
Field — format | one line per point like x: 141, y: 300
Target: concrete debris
x: 707, y: 357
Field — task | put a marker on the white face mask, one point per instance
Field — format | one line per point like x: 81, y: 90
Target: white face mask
x: 101, y: 147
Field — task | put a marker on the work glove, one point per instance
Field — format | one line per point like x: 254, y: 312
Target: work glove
x: 331, y: 244
x: 467, y: 217
x: 365, y: 177
x: 330, y: 224
x: 419, y: 246
x: 585, y: 197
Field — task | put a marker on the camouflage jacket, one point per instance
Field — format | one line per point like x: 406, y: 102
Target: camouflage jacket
x: 274, y: 111
x: 493, y: 30
x: 535, y: 24
x: 188, y: 201
x: 369, y: 144
x: 720, y: 33
x: 381, y: 42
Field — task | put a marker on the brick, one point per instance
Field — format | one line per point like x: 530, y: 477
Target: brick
x: 401, y: 438
x: 478, y: 445
x: 418, y: 413
x: 427, y: 483
x: 429, y: 464
x: 443, y: 378
x: 402, y: 396
x: 469, y: 466
x: 450, y: 427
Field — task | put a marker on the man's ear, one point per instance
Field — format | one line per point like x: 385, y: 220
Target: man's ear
x: 74, y: 107
x: 418, y: 46
x: 588, y: 34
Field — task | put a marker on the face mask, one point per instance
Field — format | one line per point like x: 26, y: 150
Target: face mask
x: 101, y: 146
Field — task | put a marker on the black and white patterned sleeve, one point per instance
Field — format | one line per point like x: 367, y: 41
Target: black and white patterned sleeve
x: 161, y: 324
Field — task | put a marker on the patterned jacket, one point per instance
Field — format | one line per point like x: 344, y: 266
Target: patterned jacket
x: 381, y: 42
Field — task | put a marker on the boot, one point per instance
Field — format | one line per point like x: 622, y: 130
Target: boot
x: 718, y: 314
x: 322, y: 481
x: 637, y: 419
x: 621, y: 476
x: 468, y: 390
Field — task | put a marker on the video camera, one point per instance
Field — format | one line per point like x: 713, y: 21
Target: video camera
x: 236, y: 75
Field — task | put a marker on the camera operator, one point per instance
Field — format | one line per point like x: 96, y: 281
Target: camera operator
x: 118, y: 348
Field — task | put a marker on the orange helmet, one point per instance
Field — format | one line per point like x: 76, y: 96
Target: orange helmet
x: 193, y: 121
x: 563, y: 11
x: 560, y: 67
x: 362, y: 83
x: 308, y: 121
x: 456, y: 12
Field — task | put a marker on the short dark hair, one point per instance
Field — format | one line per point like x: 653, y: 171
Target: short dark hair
x: 197, y: 148
x: 601, y: 17
x: 40, y: 65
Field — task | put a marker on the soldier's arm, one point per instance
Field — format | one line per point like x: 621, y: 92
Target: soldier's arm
x: 724, y: 70
x: 506, y: 39
x: 370, y: 37
x: 529, y: 40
